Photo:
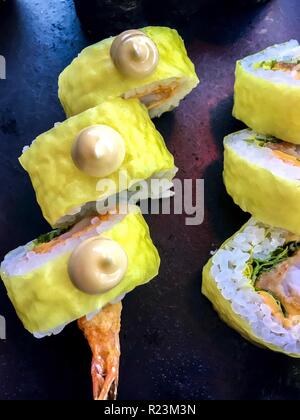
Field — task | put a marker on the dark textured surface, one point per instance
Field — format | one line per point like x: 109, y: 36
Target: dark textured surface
x: 102, y: 18
x: 174, y: 345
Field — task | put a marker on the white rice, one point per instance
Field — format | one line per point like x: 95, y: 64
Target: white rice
x: 260, y: 156
x: 228, y: 267
x: 279, y: 52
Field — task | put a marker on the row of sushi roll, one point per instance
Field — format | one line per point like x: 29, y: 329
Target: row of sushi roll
x: 94, y: 256
x: 253, y: 280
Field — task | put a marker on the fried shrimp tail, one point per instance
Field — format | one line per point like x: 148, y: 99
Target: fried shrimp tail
x: 102, y: 334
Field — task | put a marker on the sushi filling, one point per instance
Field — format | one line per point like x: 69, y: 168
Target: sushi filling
x: 277, y: 280
x: 51, y: 245
x: 283, y: 58
x: 268, y: 305
x: 153, y: 188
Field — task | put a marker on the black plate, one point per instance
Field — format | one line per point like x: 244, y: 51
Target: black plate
x: 173, y: 343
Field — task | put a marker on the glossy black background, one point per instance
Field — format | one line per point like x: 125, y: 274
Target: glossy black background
x: 174, y: 346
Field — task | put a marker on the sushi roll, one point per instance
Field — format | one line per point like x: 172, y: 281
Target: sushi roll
x: 253, y: 282
x: 67, y: 274
x: 150, y: 64
x: 267, y: 91
x: 262, y: 175
x: 115, y: 143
